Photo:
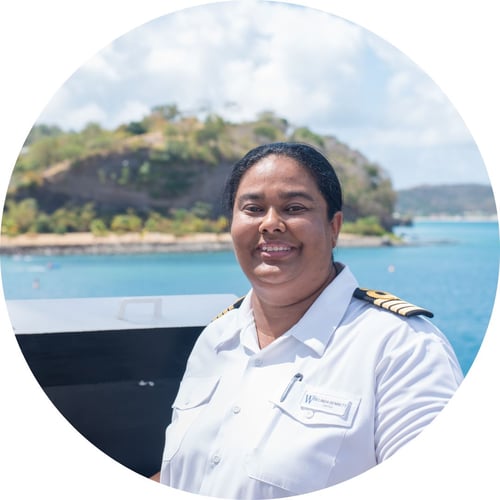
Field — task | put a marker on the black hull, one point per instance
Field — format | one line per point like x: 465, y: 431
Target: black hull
x: 115, y: 387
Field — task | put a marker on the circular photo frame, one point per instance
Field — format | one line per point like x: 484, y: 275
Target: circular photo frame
x: 275, y: 68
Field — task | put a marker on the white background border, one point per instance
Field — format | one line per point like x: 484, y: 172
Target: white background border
x: 44, y: 42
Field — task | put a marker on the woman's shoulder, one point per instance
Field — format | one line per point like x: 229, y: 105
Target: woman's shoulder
x: 385, y: 319
x: 221, y: 328
x: 231, y: 307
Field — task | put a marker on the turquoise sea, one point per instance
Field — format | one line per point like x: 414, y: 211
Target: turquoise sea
x: 451, y: 268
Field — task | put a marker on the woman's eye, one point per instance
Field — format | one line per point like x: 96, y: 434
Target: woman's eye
x: 252, y: 209
x: 295, y: 209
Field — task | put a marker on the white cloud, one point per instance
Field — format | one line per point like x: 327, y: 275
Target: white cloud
x: 72, y: 114
x: 417, y: 111
x: 82, y: 115
x: 263, y: 57
x: 101, y: 66
x: 132, y: 111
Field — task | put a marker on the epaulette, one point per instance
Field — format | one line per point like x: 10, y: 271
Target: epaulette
x: 391, y: 303
x: 235, y: 305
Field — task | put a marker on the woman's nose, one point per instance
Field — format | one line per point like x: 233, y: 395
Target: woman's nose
x: 272, y: 222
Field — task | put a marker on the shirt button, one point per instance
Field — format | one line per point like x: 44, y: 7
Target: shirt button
x: 308, y: 413
x: 215, y: 459
x: 236, y: 409
x: 258, y: 362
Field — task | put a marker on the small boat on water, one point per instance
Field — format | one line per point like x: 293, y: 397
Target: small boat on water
x: 112, y: 366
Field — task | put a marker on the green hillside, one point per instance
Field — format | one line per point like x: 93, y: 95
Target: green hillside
x: 447, y: 200
x: 165, y: 173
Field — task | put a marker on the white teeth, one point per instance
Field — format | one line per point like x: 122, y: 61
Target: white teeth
x: 275, y: 249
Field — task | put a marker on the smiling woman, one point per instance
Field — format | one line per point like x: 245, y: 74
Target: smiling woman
x: 303, y: 355
x: 283, y: 236
x: 459, y: 64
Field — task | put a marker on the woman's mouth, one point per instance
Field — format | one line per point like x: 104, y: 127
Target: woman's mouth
x: 274, y: 250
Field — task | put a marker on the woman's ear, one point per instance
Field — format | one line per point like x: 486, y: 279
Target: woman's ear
x: 336, y: 224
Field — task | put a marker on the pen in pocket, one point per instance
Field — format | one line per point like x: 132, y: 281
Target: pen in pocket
x: 296, y: 378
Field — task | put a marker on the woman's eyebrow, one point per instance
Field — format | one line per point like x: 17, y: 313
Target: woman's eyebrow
x: 249, y: 197
x: 285, y: 195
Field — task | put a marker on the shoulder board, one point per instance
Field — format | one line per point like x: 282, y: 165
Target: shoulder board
x: 235, y: 305
x: 391, y: 303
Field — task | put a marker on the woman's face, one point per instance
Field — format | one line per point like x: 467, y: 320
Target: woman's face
x: 281, y: 233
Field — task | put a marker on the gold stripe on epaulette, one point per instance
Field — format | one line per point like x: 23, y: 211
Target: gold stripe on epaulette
x: 390, y: 302
x: 407, y: 311
x: 393, y: 304
x: 235, y: 305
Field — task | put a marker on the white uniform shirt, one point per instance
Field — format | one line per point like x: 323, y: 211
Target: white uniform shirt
x: 365, y: 382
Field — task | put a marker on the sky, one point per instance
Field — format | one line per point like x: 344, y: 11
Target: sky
x: 311, y: 67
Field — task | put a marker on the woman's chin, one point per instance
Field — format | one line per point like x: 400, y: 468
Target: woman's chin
x: 271, y: 275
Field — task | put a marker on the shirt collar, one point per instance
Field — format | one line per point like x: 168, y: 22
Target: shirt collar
x: 237, y: 321
x: 320, y: 321
x: 317, y: 325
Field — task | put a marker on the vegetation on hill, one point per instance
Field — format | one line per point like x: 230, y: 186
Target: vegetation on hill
x: 165, y: 173
x: 448, y: 200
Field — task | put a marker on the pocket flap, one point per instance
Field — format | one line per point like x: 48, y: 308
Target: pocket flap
x: 194, y: 391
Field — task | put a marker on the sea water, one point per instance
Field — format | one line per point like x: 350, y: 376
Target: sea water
x: 450, y: 268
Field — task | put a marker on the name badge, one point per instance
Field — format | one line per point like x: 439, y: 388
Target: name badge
x: 327, y: 403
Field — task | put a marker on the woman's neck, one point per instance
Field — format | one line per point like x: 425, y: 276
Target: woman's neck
x: 274, y: 317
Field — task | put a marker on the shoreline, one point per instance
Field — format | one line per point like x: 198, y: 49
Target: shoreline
x: 456, y: 218
x: 87, y: 243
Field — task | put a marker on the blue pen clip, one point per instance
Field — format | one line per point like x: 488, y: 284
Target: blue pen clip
x: 296, y: 378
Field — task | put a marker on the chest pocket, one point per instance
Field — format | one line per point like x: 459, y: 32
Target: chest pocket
x: 193, y: 395
x: 298, y: 449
